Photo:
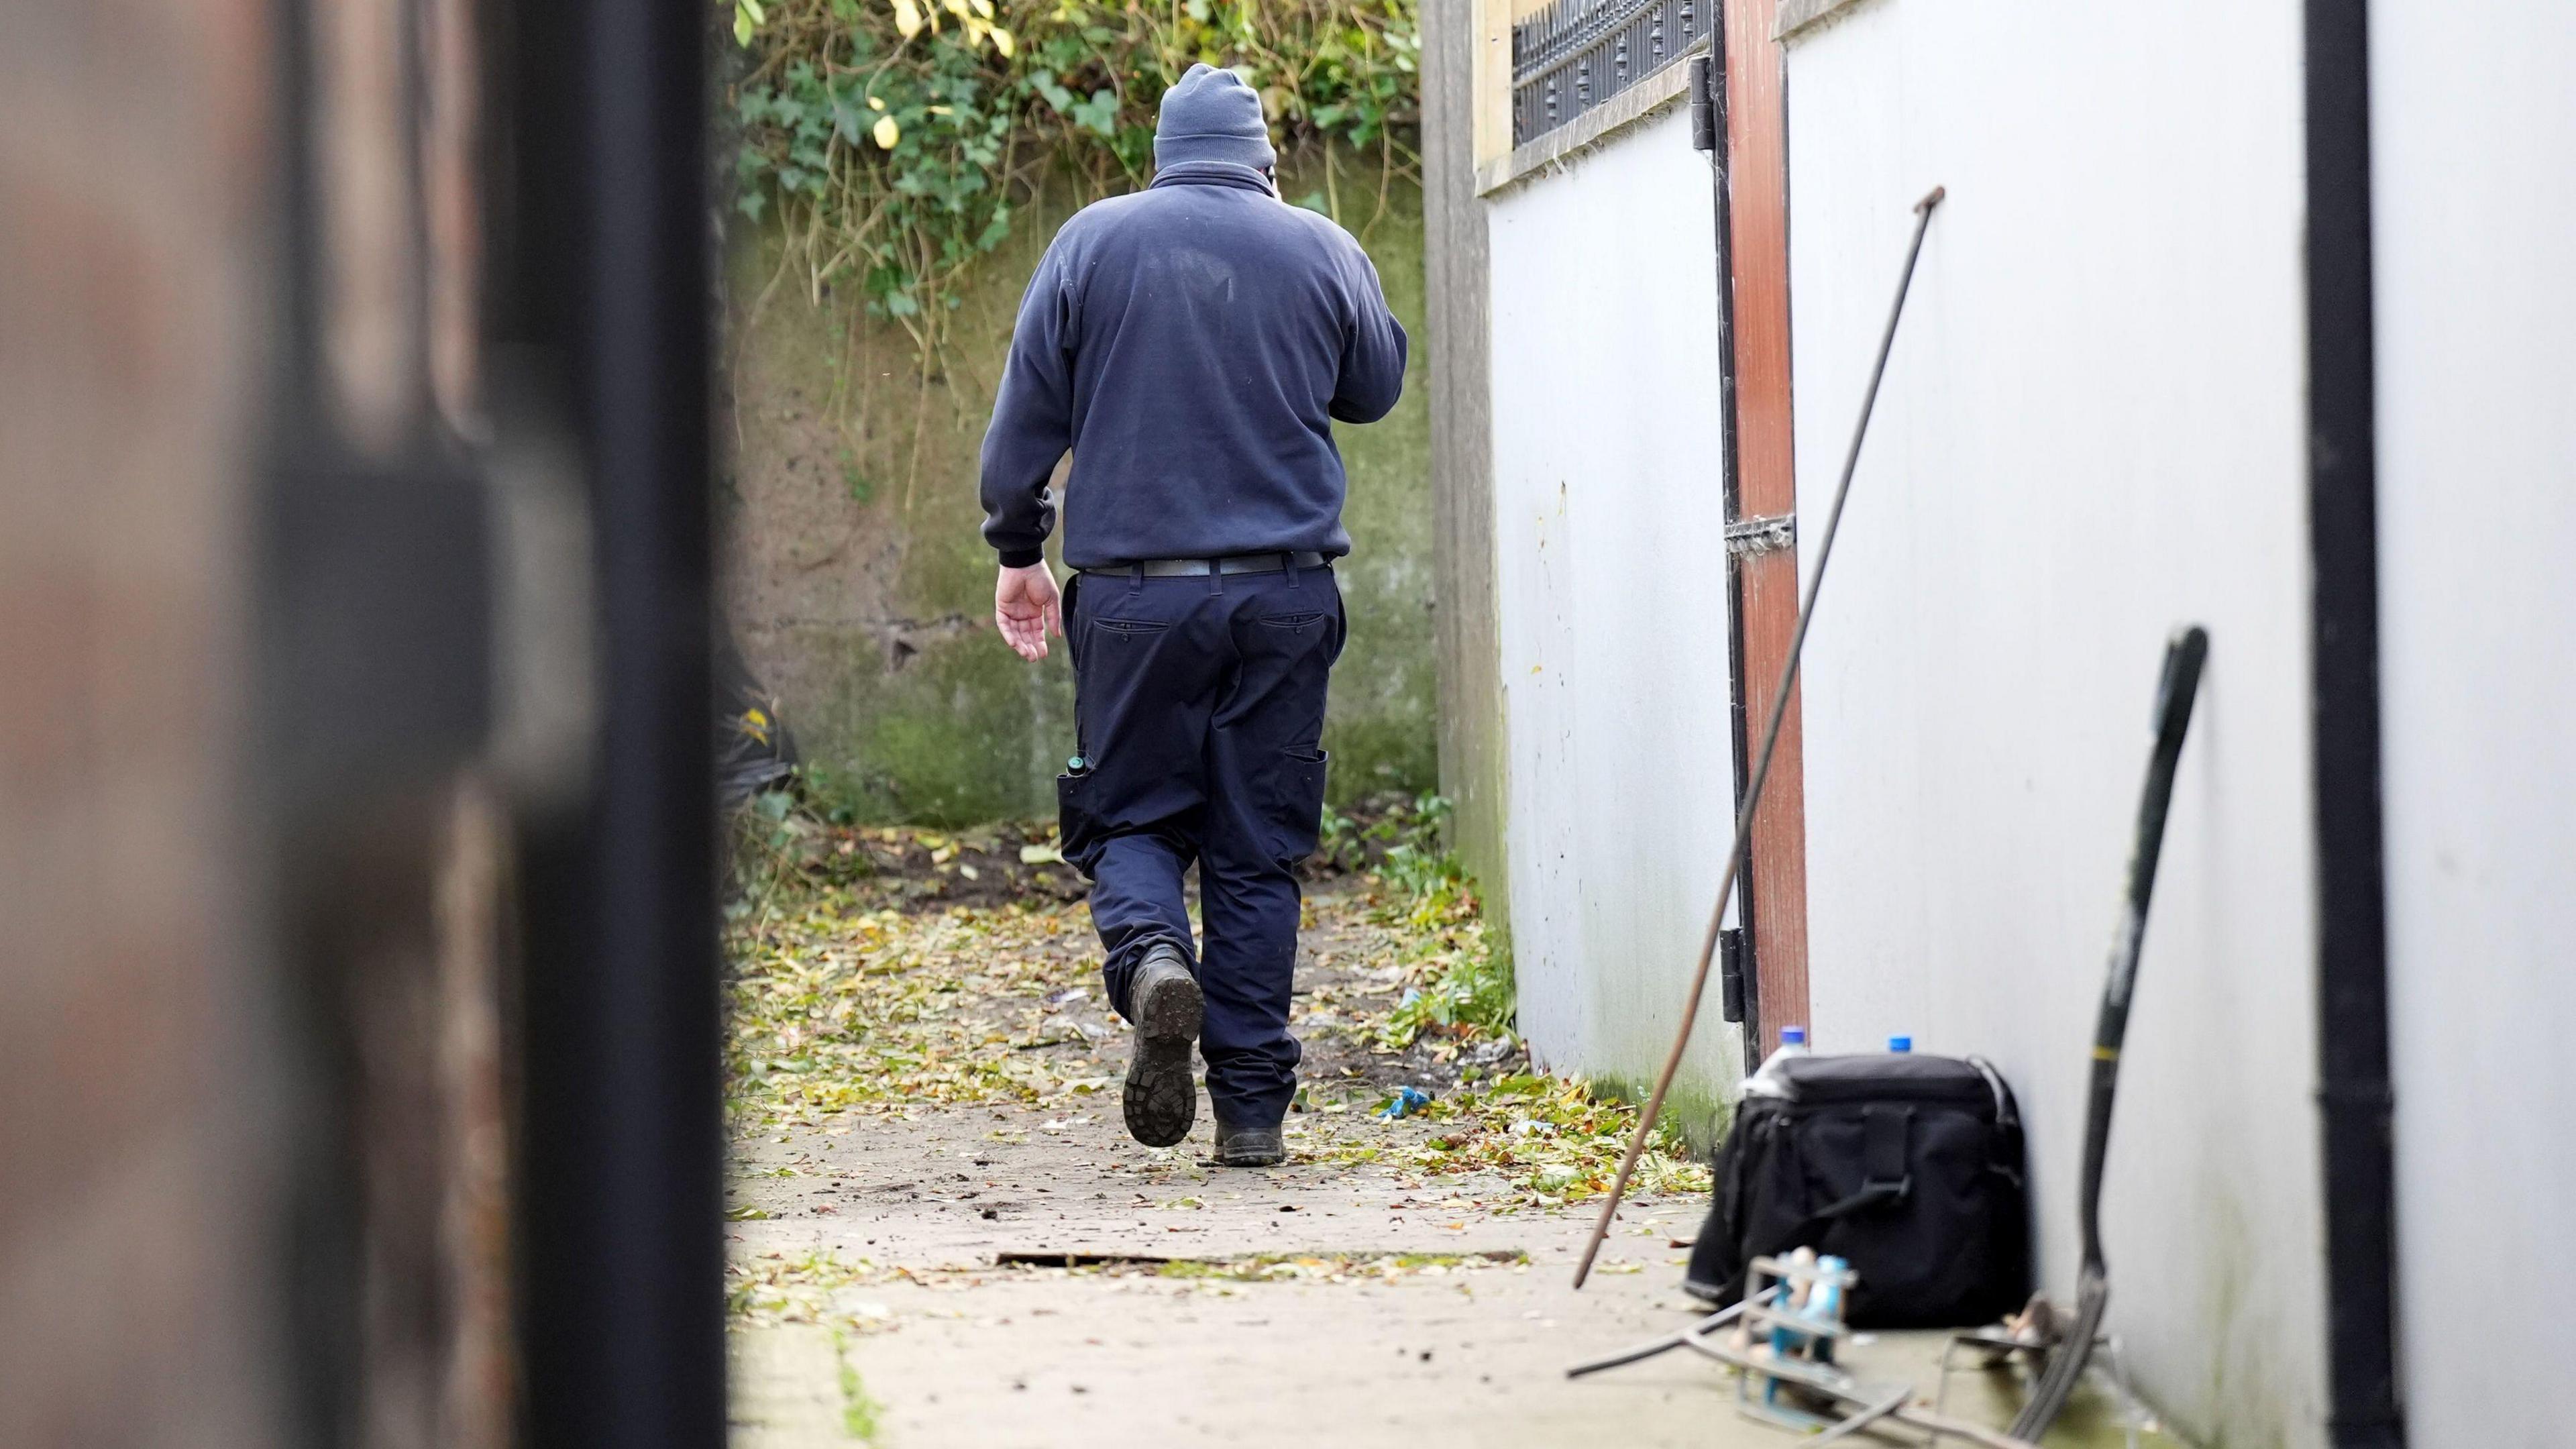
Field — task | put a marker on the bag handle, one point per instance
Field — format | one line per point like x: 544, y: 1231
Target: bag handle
x: 2007, y: 1111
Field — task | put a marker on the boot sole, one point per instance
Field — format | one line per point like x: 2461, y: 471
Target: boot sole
x: 1161, y: 1101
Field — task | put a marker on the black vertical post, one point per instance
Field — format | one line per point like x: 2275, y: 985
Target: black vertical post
x: 606, y: 254
x: 1740, y: 995
x: 2352, y: 946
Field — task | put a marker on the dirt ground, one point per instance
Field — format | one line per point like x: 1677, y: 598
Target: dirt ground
x: 940, y: 1233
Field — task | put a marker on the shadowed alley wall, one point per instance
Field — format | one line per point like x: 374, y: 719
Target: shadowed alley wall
x: 862, y: 591
x: 1457, y: 265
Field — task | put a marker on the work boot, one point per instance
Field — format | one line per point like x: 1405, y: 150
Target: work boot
x: 1161, y: 1100
x: 1249, y: 1146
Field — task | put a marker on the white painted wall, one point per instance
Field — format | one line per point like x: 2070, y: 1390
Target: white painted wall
x: 2474, y: 150
x: 1608, y: 522
x: 2092, y: 431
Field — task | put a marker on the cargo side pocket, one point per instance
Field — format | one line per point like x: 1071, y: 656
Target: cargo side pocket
x: 1078, y: 836
x: 1297, y: 805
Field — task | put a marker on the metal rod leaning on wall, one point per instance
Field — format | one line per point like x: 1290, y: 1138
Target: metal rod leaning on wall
x: 1762, y: 762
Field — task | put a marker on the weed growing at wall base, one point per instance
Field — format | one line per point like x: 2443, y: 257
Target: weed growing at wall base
x: 1467, y: 990
x: 1462, y: 976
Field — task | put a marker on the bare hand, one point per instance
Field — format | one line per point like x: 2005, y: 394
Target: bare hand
x: 1027, y: 609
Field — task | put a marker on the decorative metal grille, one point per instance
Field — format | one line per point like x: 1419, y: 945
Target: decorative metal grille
x: 1576, y: 54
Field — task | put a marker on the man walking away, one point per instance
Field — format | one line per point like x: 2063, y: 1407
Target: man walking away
x: 1191, y: 345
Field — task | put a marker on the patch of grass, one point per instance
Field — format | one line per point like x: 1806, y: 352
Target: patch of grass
x: 766, y: 1289
x: 778, y: 844
x: 1458, y: 981
x: 1460, y: 978
x: 858, y: 1411
x: 1395, y: 836
x: 1558, y: 1139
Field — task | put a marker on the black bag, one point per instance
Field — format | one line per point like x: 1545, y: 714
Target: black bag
x: 1908, y: 1167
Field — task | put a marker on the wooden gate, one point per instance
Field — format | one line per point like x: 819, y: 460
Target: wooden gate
x: 1761, y: 506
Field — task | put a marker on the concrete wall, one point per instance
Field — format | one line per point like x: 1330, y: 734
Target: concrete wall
x: 2092, y: 431
x: 2473, y: 126
x: 863, y: 594
x: 1459, y: 276
x: 1607, y: 499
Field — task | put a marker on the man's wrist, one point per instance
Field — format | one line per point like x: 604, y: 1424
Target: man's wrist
x: 1020, y: 558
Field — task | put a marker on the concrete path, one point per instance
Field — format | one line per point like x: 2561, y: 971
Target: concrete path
x: 915, y: 1273
x: 1452, y: 1347
x: 929, y: 1343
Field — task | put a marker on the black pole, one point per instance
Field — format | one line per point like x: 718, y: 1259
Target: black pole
x: 2355, y: 1096
x: 1740, y: 996
x: 621, y: 1159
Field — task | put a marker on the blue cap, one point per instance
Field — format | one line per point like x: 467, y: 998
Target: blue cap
x: 1793, y: 1036
x: 1900, y: 1043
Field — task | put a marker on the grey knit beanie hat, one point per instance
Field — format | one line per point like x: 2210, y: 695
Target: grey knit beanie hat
x: 1211, y: 115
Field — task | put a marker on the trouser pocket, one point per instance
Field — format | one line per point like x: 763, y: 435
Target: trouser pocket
x: 1078, y: 834
x: 1296, y: 804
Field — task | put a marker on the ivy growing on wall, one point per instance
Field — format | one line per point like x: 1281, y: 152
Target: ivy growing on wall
x: 894, y: 141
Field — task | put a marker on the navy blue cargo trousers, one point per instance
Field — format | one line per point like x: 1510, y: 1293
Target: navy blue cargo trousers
x: 1200, y: 706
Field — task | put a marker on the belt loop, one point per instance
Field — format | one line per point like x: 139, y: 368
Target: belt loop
x: 1216, y: 578
x: 1135, y: 579
x: 1296, y: 571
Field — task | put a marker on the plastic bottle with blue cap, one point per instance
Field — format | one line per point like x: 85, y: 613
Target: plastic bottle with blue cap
x: 1771, y: 1079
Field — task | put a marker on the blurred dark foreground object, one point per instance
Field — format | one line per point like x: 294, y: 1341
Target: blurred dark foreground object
x: 359, y: 1017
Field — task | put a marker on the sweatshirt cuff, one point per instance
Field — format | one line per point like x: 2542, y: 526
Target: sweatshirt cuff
x: 1020, y: 558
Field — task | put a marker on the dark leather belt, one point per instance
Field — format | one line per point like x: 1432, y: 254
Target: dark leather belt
x: 1241, y: 563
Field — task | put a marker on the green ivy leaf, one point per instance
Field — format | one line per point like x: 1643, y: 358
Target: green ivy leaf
x: 1053, y: 92
x: 1099, y: 114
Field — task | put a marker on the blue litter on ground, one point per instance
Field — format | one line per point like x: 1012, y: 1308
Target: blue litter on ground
x: 1406, y: 1100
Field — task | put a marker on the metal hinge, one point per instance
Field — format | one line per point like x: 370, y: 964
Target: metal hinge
x: 1761, y: 535
x: 1703, y: 104
x: 1730, y: 973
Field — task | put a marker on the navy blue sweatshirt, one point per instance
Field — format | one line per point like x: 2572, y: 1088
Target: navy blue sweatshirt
x: 1189, y: 343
